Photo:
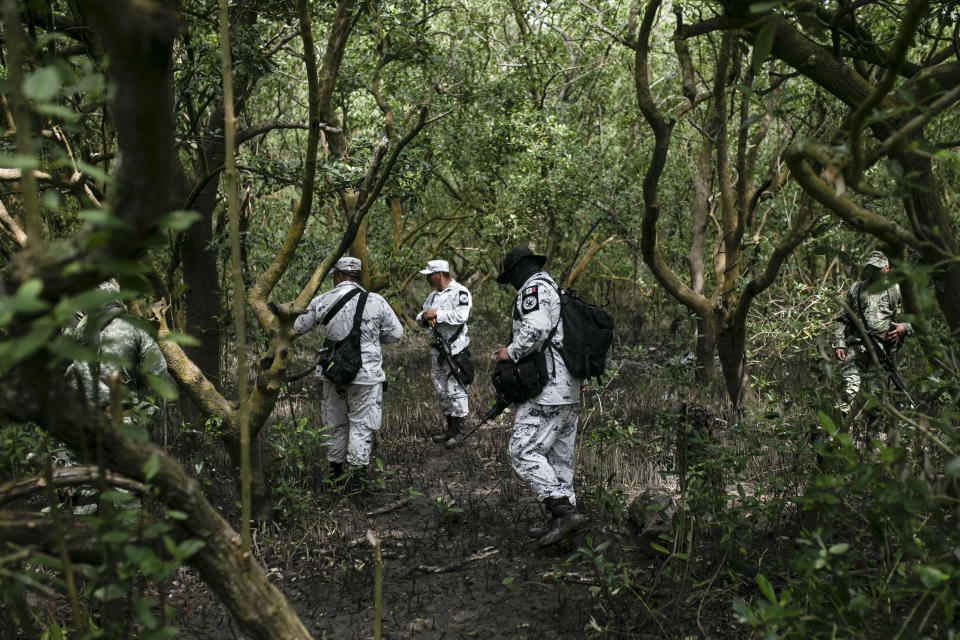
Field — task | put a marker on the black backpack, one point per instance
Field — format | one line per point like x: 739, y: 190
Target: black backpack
x: 340, y: 360
x: 587, y: 335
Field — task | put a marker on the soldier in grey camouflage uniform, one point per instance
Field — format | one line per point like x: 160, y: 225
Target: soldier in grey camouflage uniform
x: 355, y: 413
x: 545, y: 427
x: 878, y: 312
x: 447, y: 310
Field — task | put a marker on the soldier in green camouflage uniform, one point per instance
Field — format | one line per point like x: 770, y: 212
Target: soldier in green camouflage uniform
x: 134, y: 355
x: 122, y: 347
x: 878, y: 312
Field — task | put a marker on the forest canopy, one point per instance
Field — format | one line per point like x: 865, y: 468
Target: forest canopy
x: 714, y: 174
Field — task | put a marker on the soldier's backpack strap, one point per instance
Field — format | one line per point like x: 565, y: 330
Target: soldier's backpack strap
x: 344, y: 299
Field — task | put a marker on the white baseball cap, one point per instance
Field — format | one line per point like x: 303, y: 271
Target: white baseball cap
x: 348, y: 264
x: 436, y: 266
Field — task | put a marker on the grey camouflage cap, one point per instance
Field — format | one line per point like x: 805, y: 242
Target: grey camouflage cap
x: 436, y: 266
x: 348, y: 264
x: 877, y: 259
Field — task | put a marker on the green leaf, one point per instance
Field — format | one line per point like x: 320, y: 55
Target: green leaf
x: 94, y: 172
x: 763, y: 44
x: 103, y: 218
x: 176, y: 515
x: 660, y: 548
x: 827, y: 423
x: 839, y: 548
x: 151, y: 466
x: 160, y: 634
x: 142, y: 612
x: 189, y: 547
x: 183, y: 339
x: 931, y: 577
x: 42, y: 84
x: 766, y: 588
x: 179, y: 220
x: 135, y: 432
x: 115, y: 537
x: 15, y: 350
x: 18, y: 162
x: 156, y: 529
x: 953, y: 467
x: 859, y: 602
x: 111, y: 591
x: 117, y: 497
x: 760, y: 7
x: 164, y: 388
x: 57, y: 111
x: 744, y: 613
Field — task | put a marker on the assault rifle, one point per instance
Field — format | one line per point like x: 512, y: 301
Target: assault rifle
x: 494, y: 411
x: 443, y: 346
x: 880, y: 347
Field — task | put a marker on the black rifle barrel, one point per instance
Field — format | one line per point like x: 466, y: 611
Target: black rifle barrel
x: 443, y: 346
x: 879, y: 346
x: 494, y: 411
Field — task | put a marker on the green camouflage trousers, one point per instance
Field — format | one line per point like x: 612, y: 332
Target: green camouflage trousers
x: 857, y: 368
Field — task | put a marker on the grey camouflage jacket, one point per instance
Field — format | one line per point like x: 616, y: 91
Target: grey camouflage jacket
x: 379, y: 324
x: 453, y: 304
x: 536, y: 311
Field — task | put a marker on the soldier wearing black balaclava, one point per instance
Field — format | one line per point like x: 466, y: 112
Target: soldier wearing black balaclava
x: 545, y: 428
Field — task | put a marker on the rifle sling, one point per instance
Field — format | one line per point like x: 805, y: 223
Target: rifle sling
x: 344, y: 299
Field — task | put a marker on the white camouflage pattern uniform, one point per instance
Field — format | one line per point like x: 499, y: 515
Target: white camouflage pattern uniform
x: 353, y: 416
x: 545, y: 429
x: 453, y: 305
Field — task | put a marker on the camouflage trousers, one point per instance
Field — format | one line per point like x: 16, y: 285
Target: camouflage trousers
x: 451, y: 397
x: 353, y: 417
x: 541, y: 448
x: 859, y: 372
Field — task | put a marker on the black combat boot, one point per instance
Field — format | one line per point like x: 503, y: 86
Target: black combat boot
x: 336, y: 477
x: 447, y: 434
x: 566, y: 520
x: 540, y: 531
x: 456, y: 432
x: 355, y: 480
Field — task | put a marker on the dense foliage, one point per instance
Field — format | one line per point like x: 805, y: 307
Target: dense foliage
x: 712, y: 172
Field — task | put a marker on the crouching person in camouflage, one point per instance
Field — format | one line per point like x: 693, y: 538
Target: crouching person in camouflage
x: 878, y: 312
x: 446, y: 311
x: 545, y: 427
x: 122, y: 350
x: 352, y: 410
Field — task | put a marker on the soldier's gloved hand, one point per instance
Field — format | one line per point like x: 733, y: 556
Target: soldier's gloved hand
x: 840, y: 353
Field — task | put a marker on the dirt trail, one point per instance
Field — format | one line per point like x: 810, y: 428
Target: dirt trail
x: 456, y: 560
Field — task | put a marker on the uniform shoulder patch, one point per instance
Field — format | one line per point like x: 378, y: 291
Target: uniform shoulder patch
x: 530, y: 299
x: 464, y: 298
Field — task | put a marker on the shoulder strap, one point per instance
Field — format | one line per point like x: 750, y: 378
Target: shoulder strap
x: 553, y: 331
x: 344, y: 299
x: 456, y: 334
x: 358, y: 314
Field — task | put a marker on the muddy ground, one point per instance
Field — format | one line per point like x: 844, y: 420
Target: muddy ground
x: 457, y: 562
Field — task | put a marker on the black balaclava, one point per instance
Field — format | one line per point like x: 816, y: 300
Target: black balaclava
x: 870, y: 273
x: 521, y: 272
